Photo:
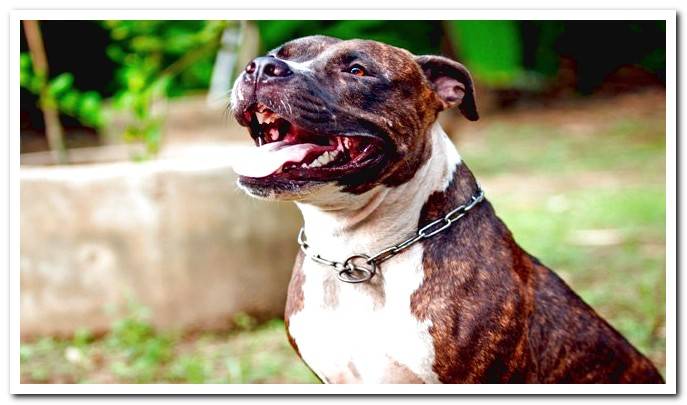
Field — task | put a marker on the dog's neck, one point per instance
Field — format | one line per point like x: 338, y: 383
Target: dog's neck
x: 338, y: 225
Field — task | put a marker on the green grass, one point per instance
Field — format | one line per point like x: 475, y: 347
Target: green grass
x: 134, y: 353
x: 624, y: 145
x: 587, y: 197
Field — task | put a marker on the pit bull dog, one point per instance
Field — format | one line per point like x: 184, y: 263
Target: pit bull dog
x: 406, y: 275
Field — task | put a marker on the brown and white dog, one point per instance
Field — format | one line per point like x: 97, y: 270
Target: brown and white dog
x: 347, y: 130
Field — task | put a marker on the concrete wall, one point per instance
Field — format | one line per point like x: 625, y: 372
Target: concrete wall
x: 175, y: 235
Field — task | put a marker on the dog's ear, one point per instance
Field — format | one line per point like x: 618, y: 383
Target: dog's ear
x: 452, y: 82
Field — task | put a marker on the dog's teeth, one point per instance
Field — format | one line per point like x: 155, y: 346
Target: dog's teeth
x: 347, y: 143
x: 261, y: 118
x: 274, y: 134
x: 324, y: 158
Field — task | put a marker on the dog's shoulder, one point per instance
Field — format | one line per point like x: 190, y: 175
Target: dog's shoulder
x: 475, y: 291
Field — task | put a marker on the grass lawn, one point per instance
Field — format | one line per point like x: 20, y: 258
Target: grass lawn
x: 134, y: 353
x: 582, y: 187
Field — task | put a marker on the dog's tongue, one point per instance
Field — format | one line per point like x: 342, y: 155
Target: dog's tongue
x: 267, y: 159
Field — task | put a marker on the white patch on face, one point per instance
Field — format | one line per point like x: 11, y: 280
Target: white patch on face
x: 367, y: 333
x: 299, y: 66
x: 234, y: 93
x: 307, y: 65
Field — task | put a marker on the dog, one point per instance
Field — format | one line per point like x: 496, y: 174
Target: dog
x: 405, y: 274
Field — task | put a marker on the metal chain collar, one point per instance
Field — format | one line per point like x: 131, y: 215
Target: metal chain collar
x: 361, y: 267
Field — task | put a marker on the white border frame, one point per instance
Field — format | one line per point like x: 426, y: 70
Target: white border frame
x: 671, y: 201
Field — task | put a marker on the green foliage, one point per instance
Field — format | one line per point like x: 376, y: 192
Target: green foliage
x: 492, y: 49
x: 545, y: 60
x: 150, y: 50
x: 156, y: 59
x: 30, y: 80
x: 84, y: 106
x: 159, y: 59
x: 143, y: 350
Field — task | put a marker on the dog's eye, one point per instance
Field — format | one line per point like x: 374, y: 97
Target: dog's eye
x: 357, y: 70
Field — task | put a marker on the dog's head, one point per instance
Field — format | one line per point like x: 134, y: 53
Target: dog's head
x: 353, y: 114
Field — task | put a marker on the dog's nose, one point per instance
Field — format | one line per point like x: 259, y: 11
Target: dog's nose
x: 266, y: 67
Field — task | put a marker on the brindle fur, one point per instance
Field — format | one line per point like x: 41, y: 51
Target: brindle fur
x: 348, y: 106
x: 497, y: 313
x: 500, y: 316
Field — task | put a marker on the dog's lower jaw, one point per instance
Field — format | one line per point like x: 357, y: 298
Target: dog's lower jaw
x: 366, y: 332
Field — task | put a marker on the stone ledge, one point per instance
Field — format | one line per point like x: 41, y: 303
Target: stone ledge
x: 175, y: 235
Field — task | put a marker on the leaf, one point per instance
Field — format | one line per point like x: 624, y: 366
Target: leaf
x: 135, y: 79
x: 70, y: 103
x: 25, y: 80
x: 144, y: 43
x: 124, y: 100
x: 90, y: 107
x: 60, y: 84
x: 25, y: 62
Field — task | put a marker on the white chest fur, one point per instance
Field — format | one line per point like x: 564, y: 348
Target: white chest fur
x: 367, y: 332
x: 353, y: 333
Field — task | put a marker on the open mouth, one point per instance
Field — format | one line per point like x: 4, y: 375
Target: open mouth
x: 288, y: 151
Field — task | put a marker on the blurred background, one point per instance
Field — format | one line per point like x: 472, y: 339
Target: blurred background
x: 141, y: 262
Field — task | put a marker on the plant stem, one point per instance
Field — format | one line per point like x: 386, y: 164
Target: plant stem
x: 191, y: 57
x: 53, y: 127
